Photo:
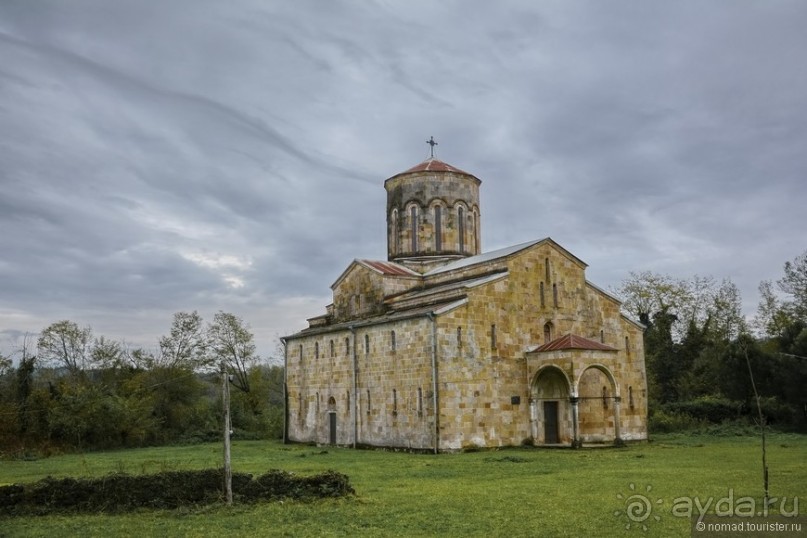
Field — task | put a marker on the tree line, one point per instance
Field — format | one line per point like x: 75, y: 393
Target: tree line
x: 701, y: 352
x: 73, y: 390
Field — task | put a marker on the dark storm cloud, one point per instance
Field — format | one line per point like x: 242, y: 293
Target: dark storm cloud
x: 204, y: 155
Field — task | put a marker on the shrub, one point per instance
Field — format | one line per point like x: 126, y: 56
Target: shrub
x: 662, y: 421
x: 170, y: 489
x: 709, y: 408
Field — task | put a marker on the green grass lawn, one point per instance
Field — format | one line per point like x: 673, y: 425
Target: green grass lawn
x: 513, y: 492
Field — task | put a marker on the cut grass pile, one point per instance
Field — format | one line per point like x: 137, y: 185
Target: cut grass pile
x: 513, y: 492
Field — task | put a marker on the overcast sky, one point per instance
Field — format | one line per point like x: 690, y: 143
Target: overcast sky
x: 159, y: 156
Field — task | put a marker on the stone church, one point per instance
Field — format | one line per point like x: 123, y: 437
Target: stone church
x: 442, y: 347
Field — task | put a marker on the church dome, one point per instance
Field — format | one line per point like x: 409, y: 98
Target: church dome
x: 432, y: 215
x: 434, y: 165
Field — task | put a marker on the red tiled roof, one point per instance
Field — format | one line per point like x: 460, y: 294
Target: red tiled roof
x: 389, y: 268
x: 572, y: 341
x: 434, y: 165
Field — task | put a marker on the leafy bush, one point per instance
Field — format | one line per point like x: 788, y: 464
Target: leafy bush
x: 662, y: 421
x: 709, y: 408
x: 167, y: 490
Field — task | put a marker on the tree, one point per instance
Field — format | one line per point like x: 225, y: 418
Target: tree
x: 725, y: 312
x: 186, y: 345
x: 772, y: 318
x: 66, y: 344
x: 693, y: 300
x: 794, y: 283
x: 232, y: 342
x: 107, y: 353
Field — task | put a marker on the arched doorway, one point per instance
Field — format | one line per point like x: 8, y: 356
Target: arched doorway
x: 599, y: 405
x: 332, y: 420
x: 549, y: 408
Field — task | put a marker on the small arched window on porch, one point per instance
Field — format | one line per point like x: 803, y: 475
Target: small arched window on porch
x: 548, y: 332
x: 605, y: 397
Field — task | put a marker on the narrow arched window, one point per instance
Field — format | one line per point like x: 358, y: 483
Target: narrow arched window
x: 366, y: 344
x: 543, y: 300
x: 602, y: 336
x: 475, y: 232
x: 347, y: 398
x: 394, y: 402
x: 316, y: 350
x: 413, y: 217
x: 548, y: 332
x: 438, y: 228
x: 546, y: 269
x: 630, y: 397
x: 395, y: 231
x: 301, y: 353
x: 368, y: 402
x: 461, y: 228
x: 347, y: 346
x: 420, y: 402
x: 555, y: 294
x: 627, y: 346
x: 333, y: 350
x: 493, y: 336
x: 459, y: 337
x: 300, y: 406
x: 392, y: 340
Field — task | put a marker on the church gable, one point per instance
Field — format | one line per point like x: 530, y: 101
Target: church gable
x: 360, y: 290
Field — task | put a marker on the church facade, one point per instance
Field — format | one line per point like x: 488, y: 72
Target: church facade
x: 442, y: 347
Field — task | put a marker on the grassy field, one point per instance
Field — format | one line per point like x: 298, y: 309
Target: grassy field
x: 513, y: 492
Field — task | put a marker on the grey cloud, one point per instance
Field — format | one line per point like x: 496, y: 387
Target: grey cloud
x: 206, y: 155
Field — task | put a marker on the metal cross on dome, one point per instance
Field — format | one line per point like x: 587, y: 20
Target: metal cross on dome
x: 432, y: 143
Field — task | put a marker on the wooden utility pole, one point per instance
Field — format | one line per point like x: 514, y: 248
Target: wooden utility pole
x: 225, y: 396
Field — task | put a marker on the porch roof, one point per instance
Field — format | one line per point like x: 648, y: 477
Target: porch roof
x: 572, y: 341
